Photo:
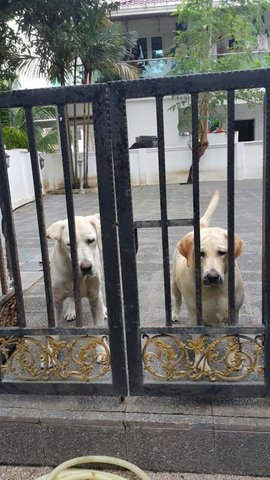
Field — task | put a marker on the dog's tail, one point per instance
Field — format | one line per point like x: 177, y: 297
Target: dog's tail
x: 207, y: 217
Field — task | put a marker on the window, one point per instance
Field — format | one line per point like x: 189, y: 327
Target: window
x: 142, y: 44
x: 150, y: 47
x: 156, y: 47
x: 246, y: 129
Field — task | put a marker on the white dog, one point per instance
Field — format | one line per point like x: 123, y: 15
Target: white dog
x: 214, y: 245
x: 88, y: 236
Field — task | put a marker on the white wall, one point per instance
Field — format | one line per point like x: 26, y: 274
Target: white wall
x: 52, y: 172
x: 20, y: 177
x: 141, y: 119
x: 144, y: 164
x: 253, y: 159
x: 213, y: 164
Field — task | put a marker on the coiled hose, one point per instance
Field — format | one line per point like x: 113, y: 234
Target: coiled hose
x: 66, y: 472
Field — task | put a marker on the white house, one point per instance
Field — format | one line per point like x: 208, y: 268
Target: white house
x: 155, y: 24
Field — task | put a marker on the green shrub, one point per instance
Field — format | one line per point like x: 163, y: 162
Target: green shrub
x: 14, y: 138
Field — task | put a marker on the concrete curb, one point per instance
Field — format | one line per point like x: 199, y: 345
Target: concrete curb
x: 157, y: 434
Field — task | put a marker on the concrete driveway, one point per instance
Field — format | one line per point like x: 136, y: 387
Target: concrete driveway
x: 248, y: 211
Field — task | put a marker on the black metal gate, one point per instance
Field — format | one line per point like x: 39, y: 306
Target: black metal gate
x: 80, y: 359
x: 141, y: 360
x: 201, y: 359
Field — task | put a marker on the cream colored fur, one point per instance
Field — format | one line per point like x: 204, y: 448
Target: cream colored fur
x: 214, y: 244
x: 89, y: 246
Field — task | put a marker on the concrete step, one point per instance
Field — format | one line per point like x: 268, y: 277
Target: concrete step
x: 26, y: 473
x: 158, y: 434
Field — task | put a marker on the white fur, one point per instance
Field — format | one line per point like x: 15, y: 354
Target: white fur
x: 214, y: 297
x: 87, y: 230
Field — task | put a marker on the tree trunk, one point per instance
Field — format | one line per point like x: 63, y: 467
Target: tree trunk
x: 63, y: 83
x: 203, y: 130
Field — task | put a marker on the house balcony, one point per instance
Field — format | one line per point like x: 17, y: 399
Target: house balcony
x: 154, y: 67
x: 165, y: 66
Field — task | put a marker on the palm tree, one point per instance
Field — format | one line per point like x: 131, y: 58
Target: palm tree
x: 101, y: 46
x: 78, y: 30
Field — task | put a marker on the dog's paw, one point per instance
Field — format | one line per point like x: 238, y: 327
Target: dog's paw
x: 175, y: 317
x: 70, y: 315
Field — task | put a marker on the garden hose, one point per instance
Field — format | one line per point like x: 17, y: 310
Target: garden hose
x: 66, y: 472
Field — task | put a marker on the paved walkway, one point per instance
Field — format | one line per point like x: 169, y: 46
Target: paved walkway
x: 149, y: 258
x: 32, y: 473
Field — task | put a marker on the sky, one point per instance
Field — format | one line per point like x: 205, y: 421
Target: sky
x: 26, y: 82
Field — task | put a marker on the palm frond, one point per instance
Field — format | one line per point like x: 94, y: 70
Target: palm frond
x: 30, y: 66
x: 120, y: 71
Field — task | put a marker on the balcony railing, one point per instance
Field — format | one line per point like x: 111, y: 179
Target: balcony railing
x: 165, y: 66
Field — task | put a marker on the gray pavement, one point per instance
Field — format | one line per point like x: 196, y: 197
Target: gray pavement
x: 158, y: 434
x: 248, y: 220
x: 32, y: 473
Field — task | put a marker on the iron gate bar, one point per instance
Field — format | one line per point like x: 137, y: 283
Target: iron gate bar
x: 17, y: 331
x: 230, y: 206
x: 64, y: 136
x: 107, y: 208
x: 40, y: 215
x: 266, y: 236
x: 139, y: 88
x: 4, y: 285
x: 206, y: 82
x: 191, y: 84
x: 163, y: 209
x: 48, y: 96
x: 182, y: 222
x: 119, y: 92
x: 196, y: 203
x: 202, y: 330
x: 126, y: 234
x: 8, y: 224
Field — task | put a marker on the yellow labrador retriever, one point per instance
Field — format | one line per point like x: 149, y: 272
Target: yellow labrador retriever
x: 88, y: 235
x: 213, y: 273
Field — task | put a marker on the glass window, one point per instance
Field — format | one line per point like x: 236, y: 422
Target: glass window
x: 142, y: 44
x: 156, y: 47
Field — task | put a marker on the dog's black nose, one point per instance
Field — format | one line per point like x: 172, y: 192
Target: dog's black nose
x: 212, y: 278
x: 86, y: 267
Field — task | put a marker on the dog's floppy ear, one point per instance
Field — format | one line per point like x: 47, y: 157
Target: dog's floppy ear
x: 185, y: 247
x: 95, y: 221
x: 55, y: 230
x: 238, y: 246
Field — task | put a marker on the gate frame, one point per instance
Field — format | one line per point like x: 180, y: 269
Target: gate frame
x: 98, y: 96
x: 158, y: 88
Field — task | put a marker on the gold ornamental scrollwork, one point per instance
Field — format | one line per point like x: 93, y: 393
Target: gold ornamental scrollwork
x: 84, y: 358
x: 229, y: 358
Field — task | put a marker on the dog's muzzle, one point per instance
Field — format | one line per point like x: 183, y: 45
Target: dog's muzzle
x: 86, y: 267
x: 212, y: 278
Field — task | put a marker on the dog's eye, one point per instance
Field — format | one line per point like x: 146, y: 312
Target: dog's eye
x: 68, y: 244
x: 89, y: 241
x: 221, y: 253
x: 202, y: 254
